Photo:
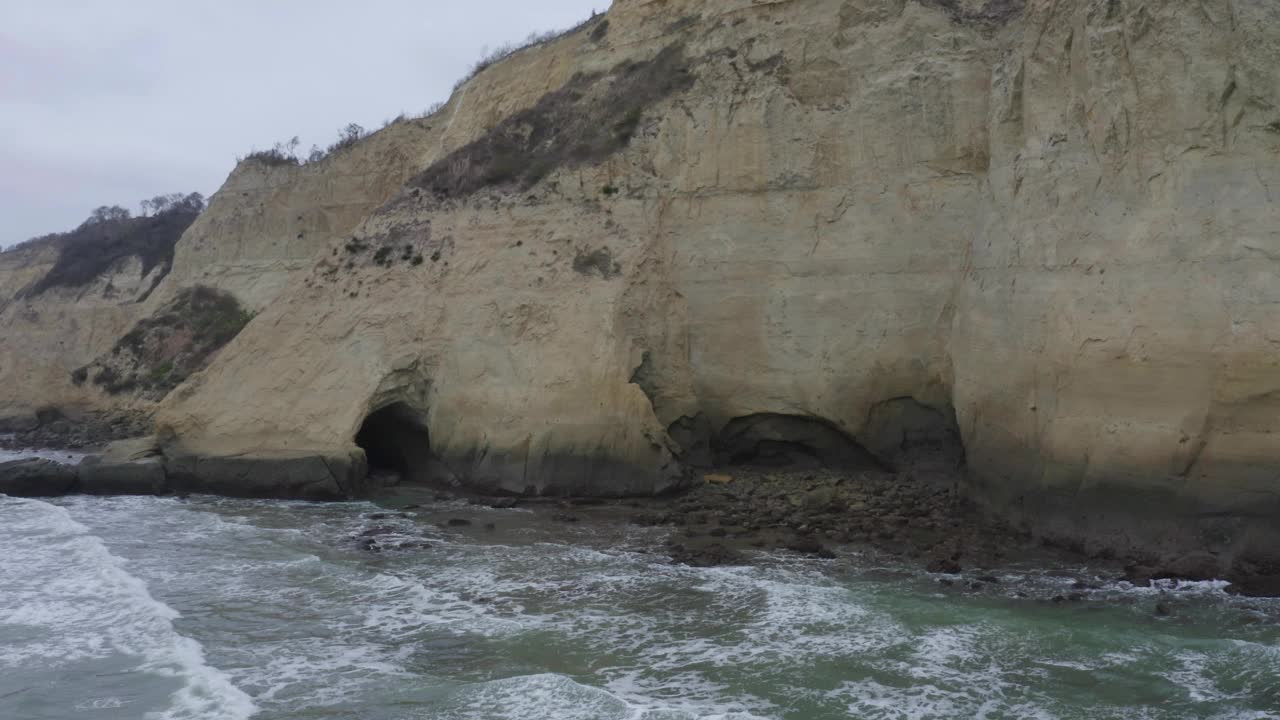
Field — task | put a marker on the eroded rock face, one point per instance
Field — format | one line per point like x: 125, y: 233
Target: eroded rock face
x: 1016, y: 211
x: 1114, y: 341
x: 265, y: 225
x: 729, y: 242
x: 1054, y: 222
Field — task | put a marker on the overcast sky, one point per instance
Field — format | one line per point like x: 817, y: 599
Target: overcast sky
x: 105, y: 103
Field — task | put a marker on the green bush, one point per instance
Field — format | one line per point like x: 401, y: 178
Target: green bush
x: 179, y: 339
x: 161, y: 372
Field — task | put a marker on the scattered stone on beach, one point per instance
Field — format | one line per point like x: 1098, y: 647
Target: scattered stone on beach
x: 459, y: 522
x: 808, y: 510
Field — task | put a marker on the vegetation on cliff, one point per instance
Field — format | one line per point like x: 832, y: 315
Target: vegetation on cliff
x: 163, y: 350
x: 599, y: 29
x: 112, y: 234
x: 286, y: 153
x: 593, y: 116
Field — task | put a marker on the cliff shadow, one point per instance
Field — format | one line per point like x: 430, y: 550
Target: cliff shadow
x: 788, y: 441
x: 900, y: 435
x: 397, y: 442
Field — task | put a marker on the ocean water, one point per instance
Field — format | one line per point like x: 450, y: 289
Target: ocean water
x: 210, y: 608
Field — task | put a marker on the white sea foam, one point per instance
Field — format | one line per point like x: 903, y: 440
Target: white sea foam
x: 560, y: 697
x: 64, y: 586
x: 306, y: 620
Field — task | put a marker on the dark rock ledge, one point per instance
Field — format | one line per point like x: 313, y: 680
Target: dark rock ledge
x: 137, y: 468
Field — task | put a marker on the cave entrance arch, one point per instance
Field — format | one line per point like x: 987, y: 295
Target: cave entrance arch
x: 789, y: 441
x: 396, y: 441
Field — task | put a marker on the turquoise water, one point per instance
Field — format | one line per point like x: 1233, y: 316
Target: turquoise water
x: 214, y: 608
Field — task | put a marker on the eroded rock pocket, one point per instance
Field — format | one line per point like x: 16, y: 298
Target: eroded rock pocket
x: 397, y: 445
x: 788, y: 441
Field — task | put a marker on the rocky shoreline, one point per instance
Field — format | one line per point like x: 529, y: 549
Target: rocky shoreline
x: 920, y: 515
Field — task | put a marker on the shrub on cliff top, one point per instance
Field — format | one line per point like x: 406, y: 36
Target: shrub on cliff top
x: 111, y: 235
x: 286, y: 153
x: 347, y: 137
x: 491, y: 57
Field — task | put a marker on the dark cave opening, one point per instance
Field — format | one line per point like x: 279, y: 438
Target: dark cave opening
x: 790, y: 441
x: 396, y: 441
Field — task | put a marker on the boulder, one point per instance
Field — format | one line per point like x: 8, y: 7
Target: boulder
x: 711, y: 555
x: 36, y: 478
x: 1139, y: 575
x: 1190, y: 566
x: 809, y: 545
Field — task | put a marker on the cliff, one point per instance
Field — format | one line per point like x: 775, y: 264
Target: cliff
x: 696, y: 230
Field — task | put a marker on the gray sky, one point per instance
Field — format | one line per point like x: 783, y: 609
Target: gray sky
x: 105, y: 103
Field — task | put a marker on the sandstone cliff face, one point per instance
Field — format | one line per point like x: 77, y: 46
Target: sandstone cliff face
x: 1115, y: 346
x: 749, y: 250
x: 265, y: 225
x: 46, y: 338
x: 268, y: 223
x: 1054, y: 222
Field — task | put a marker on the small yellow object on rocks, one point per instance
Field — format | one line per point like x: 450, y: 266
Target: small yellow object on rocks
x: 718, y: 479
